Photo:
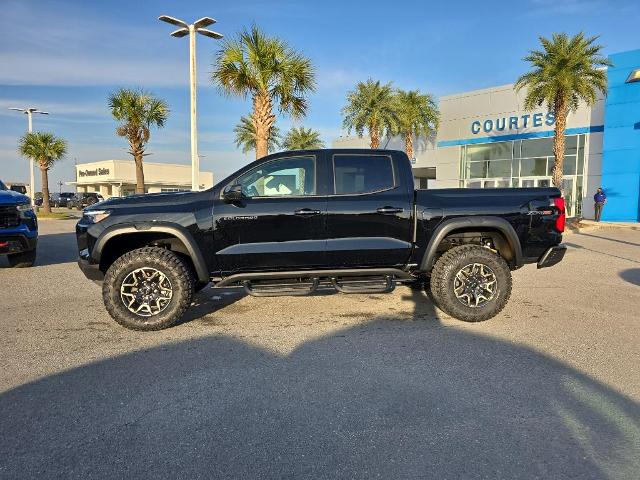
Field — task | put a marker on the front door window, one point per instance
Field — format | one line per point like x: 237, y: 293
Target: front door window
x: 292, y: 176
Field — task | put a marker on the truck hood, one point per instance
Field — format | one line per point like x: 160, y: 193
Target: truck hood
x: 9, y: 197
x: 148, y: 200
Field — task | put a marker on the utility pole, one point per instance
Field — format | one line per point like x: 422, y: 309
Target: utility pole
x: 191, y: 30
x: 29, y: 111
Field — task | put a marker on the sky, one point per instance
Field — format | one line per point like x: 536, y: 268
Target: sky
x: 65, y: 57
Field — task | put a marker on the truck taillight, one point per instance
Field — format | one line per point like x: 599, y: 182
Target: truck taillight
x: 562, y: 217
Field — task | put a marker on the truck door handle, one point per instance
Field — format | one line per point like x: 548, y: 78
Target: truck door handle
x: 388, y: 210
x: 306, y: 212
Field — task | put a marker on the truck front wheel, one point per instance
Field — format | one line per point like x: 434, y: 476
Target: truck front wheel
x: 147, y: 289
x: 22, y: 259
x: 471, y: 283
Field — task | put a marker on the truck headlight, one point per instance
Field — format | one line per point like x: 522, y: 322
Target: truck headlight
x: 95, y: 216
x: 25, y: 210
x: 24, y: 207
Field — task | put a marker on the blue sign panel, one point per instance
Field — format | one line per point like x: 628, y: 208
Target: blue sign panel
x: 513, y: 123
x: 621, y: 146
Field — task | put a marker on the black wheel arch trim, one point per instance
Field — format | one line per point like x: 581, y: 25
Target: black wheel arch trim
x: 483, y: 222
x: 176, y: 230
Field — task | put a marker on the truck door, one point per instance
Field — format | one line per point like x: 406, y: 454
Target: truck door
x: 369, y: 214
x: 280, y: 221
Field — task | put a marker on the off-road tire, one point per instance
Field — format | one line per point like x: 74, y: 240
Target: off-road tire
x: 171, y: 265
x: 442, y: 282
x: 22, y: 259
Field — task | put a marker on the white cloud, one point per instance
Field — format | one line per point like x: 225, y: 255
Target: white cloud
x: 54, y: 44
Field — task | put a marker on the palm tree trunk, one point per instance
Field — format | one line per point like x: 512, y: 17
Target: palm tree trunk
x: 139, y: 173
x: 44, y: 176
x: 408, y: 144
x: 263, y: 120
x: 561, y: 112
x: 375, y: 136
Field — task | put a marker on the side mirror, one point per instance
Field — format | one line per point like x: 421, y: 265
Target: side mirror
x: 233, y: 193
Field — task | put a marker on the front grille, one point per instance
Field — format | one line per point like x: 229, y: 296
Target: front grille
x: 9, y: 217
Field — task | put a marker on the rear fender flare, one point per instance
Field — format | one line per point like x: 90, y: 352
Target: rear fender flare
x: 448, y: 226
x: 175, y: 230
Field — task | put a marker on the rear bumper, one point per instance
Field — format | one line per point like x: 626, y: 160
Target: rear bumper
x: 552, y: 256
x: 17, y: 243
x: 90, y: 269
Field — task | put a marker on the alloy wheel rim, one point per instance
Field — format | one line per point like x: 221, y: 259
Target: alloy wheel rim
x: 146, y: 292
x: 475, y: 285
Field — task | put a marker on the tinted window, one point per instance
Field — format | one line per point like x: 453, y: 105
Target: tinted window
x: 362, y: 173
x: 2, y: 186
x: 292, y: 176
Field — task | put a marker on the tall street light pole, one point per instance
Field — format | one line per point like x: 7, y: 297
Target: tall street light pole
x: 29, y: 111
x: 191, y: 29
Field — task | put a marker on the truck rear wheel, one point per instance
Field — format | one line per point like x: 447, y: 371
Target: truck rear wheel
x: 22, y: 259
x: 471, y: 283
x: 147, y: 289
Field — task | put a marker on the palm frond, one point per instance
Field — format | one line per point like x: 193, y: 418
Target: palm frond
x: 371, y: 106
x: 245, y: 138
x: 137, y: 111
x: 43, y: 147
x: 302, y: 139
x: 567, y: 71
x: 253, y: 63
x: 417, y: 113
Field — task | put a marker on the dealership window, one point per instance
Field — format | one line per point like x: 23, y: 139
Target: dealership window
x: 525, y: 163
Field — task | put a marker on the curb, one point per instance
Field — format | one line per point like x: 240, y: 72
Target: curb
x: 602, y: 226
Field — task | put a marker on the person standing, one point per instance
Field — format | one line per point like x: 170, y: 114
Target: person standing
x: 600, y: 199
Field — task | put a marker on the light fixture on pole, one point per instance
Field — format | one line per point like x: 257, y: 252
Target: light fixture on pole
x: 191, y: 29
x: 29, y: 111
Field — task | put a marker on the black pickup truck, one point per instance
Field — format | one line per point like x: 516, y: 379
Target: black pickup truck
x: 292, y: 222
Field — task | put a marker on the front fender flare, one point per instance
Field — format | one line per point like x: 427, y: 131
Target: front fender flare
x: 485, y: 222
x: 177, y: 231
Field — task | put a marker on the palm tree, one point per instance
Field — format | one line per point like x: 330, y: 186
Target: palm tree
x: 137, y: 111
x: 417, y: 116
x: 246, y: 136
x: 45, y: 149
x: 269, y: 71
x: 302, y: 139
x: 371, y: 106
x: 566, y: 71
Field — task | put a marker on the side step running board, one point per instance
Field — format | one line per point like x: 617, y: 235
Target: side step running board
x: 280, y: 289
x: 379, y: 285
x: 239, y: 278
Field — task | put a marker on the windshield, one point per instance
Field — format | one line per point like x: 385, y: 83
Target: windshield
x: 2, y: 186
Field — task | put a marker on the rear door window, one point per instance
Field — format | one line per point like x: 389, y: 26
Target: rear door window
x: 356, y: 174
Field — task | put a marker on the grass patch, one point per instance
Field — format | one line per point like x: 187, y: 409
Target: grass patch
x: 54, y: 215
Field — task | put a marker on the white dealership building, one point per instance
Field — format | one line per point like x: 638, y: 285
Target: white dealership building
x: 117, y: 178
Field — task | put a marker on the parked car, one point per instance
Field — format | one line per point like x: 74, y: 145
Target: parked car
x: 61, y: 199
x: 18, y: 228
x: 17, y: 187
x: 84, y: 199
x: 293, y: 221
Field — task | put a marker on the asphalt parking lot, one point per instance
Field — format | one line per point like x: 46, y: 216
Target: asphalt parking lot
x: 328, y: 386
